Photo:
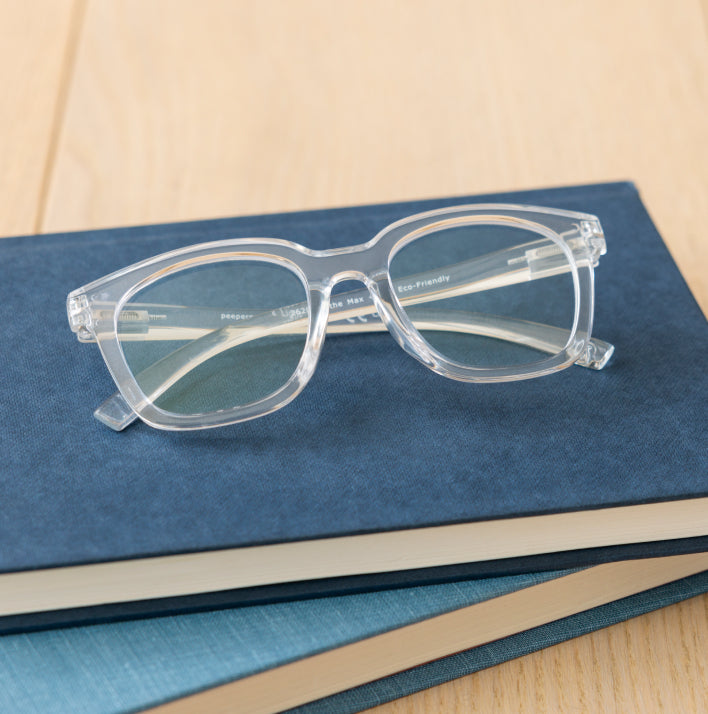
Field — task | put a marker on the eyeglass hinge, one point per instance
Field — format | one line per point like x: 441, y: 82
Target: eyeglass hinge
x: 80, y: 318
x: 591, y: 231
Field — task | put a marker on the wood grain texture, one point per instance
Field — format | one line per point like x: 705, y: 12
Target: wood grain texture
x: 653, y: 663
x: 189, y: 109
x: 35, y: 44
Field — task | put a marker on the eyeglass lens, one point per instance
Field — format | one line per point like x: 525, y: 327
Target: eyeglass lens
x: 215, y: 336
x: 478, y: 293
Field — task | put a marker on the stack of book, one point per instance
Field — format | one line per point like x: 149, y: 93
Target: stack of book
x: 387, y: 531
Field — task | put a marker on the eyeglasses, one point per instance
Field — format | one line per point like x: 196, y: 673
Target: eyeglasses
x: 222, y: 332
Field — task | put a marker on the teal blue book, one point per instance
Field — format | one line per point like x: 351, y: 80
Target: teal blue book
x: 331, y: 655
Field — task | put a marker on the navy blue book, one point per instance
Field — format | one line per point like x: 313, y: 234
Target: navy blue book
x: 330, y: 655
x: 380, y: 474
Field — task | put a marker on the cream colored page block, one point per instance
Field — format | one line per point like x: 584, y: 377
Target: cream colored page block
x: 35, y: 43
x: 193, y: 109
x: 650, y: 664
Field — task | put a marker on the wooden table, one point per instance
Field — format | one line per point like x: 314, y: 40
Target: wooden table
x: 135, y: 111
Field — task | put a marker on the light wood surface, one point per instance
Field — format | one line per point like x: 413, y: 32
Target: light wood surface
x: 35, y: 40
x: 135, y: 111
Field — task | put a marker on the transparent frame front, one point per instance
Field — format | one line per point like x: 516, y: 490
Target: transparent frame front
x: 571, y: 242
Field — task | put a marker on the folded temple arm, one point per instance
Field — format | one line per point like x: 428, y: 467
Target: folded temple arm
x: 158, y: 378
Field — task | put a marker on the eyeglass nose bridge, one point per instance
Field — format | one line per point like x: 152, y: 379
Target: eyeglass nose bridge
x: 364, y: 303
x: 372, y: 303
x: 345, y: 275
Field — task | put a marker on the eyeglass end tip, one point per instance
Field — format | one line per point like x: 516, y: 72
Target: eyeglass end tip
x: 115, y: 413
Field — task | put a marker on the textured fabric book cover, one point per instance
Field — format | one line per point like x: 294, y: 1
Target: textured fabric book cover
x: 375, y: 443
x: 129, y: 666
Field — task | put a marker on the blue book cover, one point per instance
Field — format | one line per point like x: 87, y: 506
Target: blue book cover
x: 359, y: 650
x: 381, y: 473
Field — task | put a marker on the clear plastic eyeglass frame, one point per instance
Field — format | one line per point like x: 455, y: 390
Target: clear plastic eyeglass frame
x: 564, y: 242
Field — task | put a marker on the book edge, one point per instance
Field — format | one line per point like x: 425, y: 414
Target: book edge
x: 64, y: 588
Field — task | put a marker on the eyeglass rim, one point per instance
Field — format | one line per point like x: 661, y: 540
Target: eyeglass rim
x: 307, y: 264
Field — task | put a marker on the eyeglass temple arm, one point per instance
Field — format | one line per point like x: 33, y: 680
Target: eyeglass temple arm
x: 116, y: 413
x: 355, y: 312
